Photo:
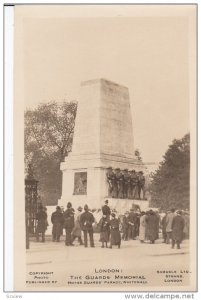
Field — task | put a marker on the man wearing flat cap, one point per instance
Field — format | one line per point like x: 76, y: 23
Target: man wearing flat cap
x: 57, y: 220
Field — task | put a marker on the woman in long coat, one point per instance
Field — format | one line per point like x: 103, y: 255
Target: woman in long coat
x: 115, y: 237
x: 152, y: 227
x: 104, y: 230
x: 177, y: 229
x: 142, y: 227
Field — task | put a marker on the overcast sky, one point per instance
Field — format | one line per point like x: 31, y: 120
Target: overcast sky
x: 148, y: 54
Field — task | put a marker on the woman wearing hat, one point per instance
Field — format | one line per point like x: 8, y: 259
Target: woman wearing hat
x: 104, y: 230
x: 115, y: 237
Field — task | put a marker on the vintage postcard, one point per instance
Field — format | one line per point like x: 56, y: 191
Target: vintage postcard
x: 105, y: 148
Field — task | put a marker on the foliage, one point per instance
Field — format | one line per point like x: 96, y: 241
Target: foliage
x: 48, y: 139
x: 170, y: 183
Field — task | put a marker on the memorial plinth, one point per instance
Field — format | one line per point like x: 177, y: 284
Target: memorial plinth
x: 103, y: 137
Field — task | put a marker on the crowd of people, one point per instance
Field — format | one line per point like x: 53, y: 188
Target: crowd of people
x: 113, y: 228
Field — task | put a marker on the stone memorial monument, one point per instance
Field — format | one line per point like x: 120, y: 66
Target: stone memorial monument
x: 103, y: 141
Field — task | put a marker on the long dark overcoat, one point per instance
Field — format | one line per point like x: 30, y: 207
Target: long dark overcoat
x: 104, y: 230
x: 114, y: 232
x: 87, y: 220
x: 57, y: 221
x: 41, y: 217
x: 177, y: 228
x: 68, y: 216
x: 152, y: 227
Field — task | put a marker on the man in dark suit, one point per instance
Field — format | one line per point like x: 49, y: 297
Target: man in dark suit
x: 69, y: 223
x: 106, y: 210
x: 57, y: 221
x: 86, y: 221
x: 177, y: 229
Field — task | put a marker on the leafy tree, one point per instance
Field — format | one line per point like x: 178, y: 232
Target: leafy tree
x: 170, y: 183
x: 48, y: 139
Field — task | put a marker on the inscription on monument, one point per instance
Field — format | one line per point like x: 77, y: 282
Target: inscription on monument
x: 80, y: 183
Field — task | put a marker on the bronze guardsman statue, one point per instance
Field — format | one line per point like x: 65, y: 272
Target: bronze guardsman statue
x: 118, y: 175
x: 121, y: 185
x: 109, y: 175
x: 141, y: 184
x: 129, y: 185
x: 126, y: 183
x: 114, y: 184
x: 134, y: 182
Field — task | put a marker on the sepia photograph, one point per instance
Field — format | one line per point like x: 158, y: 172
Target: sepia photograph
x: 105, y: 184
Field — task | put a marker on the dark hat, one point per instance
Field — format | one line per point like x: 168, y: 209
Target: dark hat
x: 125, y: 169
x: 140, y: 172
x: 58, y: 207
x: 106, y: 201
x: 79, y: 208
x: 86, y: 207
x: 117, y: 169
x: 109, y: 167
x: 133, y: 170
x: 69, y: 205
x: 113, y: 215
